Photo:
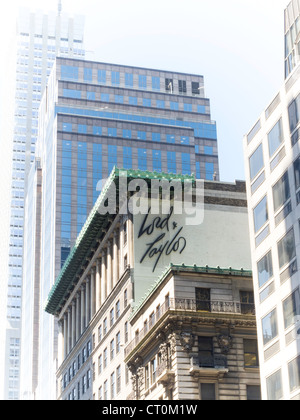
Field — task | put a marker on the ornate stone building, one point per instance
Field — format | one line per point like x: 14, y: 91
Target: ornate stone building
x: 195, y: 337
x: 134, y: 323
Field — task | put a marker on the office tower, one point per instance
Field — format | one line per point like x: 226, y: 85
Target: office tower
x: 96, y: 116
x: 40, y: 38
x: 292, y: 36
x: 272, y: 171
x: 181, y: 329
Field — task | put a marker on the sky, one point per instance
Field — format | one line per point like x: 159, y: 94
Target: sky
x: 237, y: 45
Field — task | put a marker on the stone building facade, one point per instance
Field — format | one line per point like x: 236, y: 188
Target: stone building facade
x: 118, y: 309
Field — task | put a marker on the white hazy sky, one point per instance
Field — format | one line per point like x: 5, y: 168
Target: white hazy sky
x: 237, y: 45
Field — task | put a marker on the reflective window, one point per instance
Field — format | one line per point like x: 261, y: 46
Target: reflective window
x: 170, y: 138
x: 269, y: 327
x: 274, y: 386
x: 297, y: 172
x: 156, y: 137
x: 188, y: 107
x: 185, y: 164
x: 174, y: 106
x: 260, y: 214
x: 119, y: 99
x: 171, y: 158
x: 291, y: 308
x: 88, y: 75
x: 142, y: 159
x: 132, y: 100
x: 141, y: 135
x: 160, y: 104
x: 72, y: 93
x: 286, y: 248
x: 115, y: 78
x: 146, y: 102
x: 69, y: 73
x: 281, y: 192
x: 155, y: 83
x: 142, y: 81
x: 275, y: 138
x: 156, y: 156
x: 294, y: 374
x: 209, y: 171
x: 256, y: 162
x: 112, y: 157
x: 127, y: 157
x: 102, y: 76
x: 128, y: 80
x: 208, y: 150
x: 265, y: 269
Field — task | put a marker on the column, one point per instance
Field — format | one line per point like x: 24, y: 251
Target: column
x: 92, y: 287
x: 115, y: 259
x: 130, y: 241
x: 121, y: 246
x: 87, y: 302
x: 82, y: 308
x: 98, y: 285
x: 78, y: 320
x: 103, y: 277
x: 65, y: 335
x: 73, y: 335
x: 69, y: 330
x: 109, y: 271
x: 60, y: 342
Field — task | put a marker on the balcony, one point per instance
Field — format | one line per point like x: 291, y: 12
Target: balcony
x: 209, y: 367
x: 190, y: 305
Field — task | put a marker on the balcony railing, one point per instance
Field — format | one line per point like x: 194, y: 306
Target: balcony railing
x: 192, y: 305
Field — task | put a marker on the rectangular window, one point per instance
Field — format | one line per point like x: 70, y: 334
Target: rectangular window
x: 169, y: 85
x: 119, y: 99
x: 206, y: 351
x: 88, y: 75
x: 195, y: 88
x: 156, y: 160
x: 160, y: 104
x: 127, y: 157
x: 188, y: 107
x: 274, y: 386
x: 126, y: 134
x: 171, y: 158
x: 185, y: 164
x: 132, y: 100
x: 156, y: 83
x: 209, y: 171
x: 170, y: 138
x: 269, y: 327
x: 156, y: 137
x: 69, y: 73
x: 146, y: 102
x: 72, y: 93
x: 141, y: 135
x: 293, y: 114
x: 265, y: 269
x: 281, y: 192
x: 115, y: 78
x: 185, y: 140
x: 297, y: 172
x: 208, y: 150
x: 128, y: 80
x: 112, y: 132
x: 260, y: 214
x: 174, y: 106
x: 104, y: 97
x: 250, y: 353
x: 97, y: 131
x: 112, y: 349
x: 112, y: 317
x: 203, y: 299
x: 294, y: 374
x: 291, y: 308
x: 142, y: 159
x: 275, y: 138
x: 153, y: 371
x: 256, y: 162
x: 208, y: 392
x: 201, y: 109
x: 82, y: 128
x: 102, y: 77
x: 182, y: 86
x: 142, y: 82
x: 286, y: 248
x: 118, y: 379
x: 106, y: 390
x: 91, y: 96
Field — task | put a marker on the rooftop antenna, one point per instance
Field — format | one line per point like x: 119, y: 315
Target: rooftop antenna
x: 59, y: 7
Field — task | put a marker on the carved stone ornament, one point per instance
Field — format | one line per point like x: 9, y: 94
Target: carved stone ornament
x: 187, y: 341
x: 225, y: 343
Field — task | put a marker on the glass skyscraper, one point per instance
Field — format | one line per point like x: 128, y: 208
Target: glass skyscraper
x: 40, y: 38
x: 96, y: 116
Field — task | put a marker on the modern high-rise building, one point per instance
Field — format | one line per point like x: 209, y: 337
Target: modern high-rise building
x: 96, y: 116
x: 272, y: 160
x: 40, y: 38
x: 292, y: 37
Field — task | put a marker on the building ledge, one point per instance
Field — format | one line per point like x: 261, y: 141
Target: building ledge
x: 203, y: 373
